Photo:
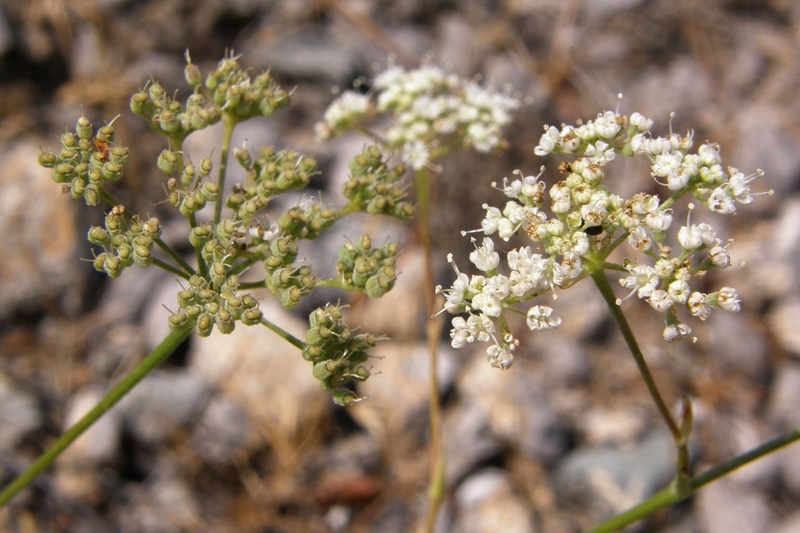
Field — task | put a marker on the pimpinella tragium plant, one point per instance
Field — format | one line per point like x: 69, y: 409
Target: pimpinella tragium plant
x: 569, y: 232
x: 234, y: 231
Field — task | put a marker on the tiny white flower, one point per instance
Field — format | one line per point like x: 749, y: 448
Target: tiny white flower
x: 549, y: 140
x: 720, y: 201
x: 643, y: 279
x: 416, y: 154
x: 640, y: 122
x: 658, y: 220
x: 639, y: 240
x: 677, y: 180
x: 484, y: 257
x: 719, y: 256
x: 500, y: 356
x: 540, y: 317
x: 709, y: 154
x: 728, y: 300
x: 679, y: 291
x: 696, y: 236
x: 698, y: 305
x: 674, y: 332
x: 660, y: 300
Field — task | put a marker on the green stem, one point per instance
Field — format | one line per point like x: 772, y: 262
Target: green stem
x: 282, y: 333
x: 172, y: 269
x: 669, y: 496
x: 604, y: 286
x: 157, y: 356
x: 167, y: 249
x: 249, y: 285
x: 228, y: 124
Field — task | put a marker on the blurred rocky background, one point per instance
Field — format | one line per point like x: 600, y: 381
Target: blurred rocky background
x: 234, y: 434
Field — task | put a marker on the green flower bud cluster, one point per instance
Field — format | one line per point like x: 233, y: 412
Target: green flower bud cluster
x: 366, y: 269
x: 288, y: 281
x: 227, y: 244
x: 190, y: 200
x: 170, y: 118
x: 237, y: 95
x: 125, y: 240
x: 307, y: 222
x: 375, y: 187
x: 204, y: 304
x: 268, y: 175
x: 338, y: 355
x: 86, y: 161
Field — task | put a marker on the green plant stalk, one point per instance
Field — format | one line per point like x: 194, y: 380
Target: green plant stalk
x: 282, y: 333
x: 437, y: 487
x: 156, y: 357
x: 670, y: 496
x: 680, y: 436
x: 170, y: 268
x: 604, y: 286
x: 228, y: 124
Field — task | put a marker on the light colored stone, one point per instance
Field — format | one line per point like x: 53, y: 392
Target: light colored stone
x: 261, y: 372
x: 38, y: 235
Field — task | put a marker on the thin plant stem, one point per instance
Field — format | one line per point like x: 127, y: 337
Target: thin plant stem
x: 171, y: 269
x: 670, y: 496
x: 437, y: 484
x: 228, y: 124
x: 156, y: 357
x: 282, y: 333
x: 680, y: 434
x: 604, y: 286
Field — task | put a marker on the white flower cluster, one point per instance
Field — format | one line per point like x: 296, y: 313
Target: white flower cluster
x: 427, y: 104
x: 586, y: 222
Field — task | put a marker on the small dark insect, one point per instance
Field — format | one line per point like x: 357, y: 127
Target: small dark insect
x: 593, y: 230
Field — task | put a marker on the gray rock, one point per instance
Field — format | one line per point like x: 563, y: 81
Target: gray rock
x: 165, y: 503
x: 224, y: 432
x: 791, y: 524
x: 783, y: 320
x: 766, y: 141
x: 18, y: 411
x: 740, y: 347
x: 262, y: 373
x: 608, y: 480
x: 81, y: 472
x: 487, y: 503
x: 456, y: 45
x: 468, y: 441
x: 307, y: 56
x: 785, y: 396
x: 788, y: 460
x: 726, y: 506
x: 517, y: 408
x: 682, y: 87
x: 162, y: 404
x: 563, y: 359
x: 396, y: 397
x: 41, y: 242
x: 100, y: 443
